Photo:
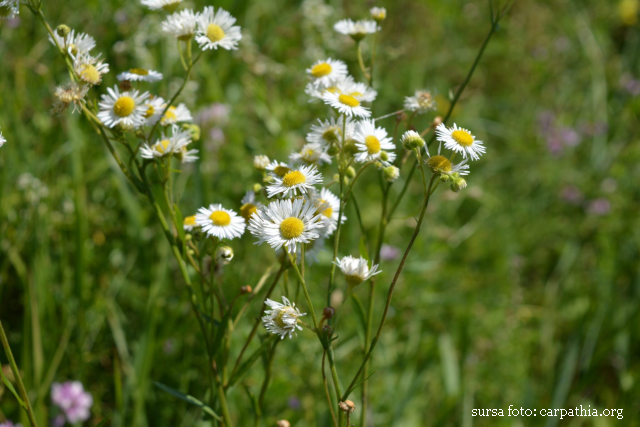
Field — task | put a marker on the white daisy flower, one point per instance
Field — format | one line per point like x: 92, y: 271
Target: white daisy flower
x: 282, y: 319
x: 328, y: 207
x: 2, y: 139
x: 331, y: 130
x: 155, y: 105
x: 421, y: 102
x: 360, y: 91
x: 126, y: 108
x: 189, y: 223
x: 440, y: 164
x: 294, y: 181
x: 249, y: 205
x: 75, y: 44
x: 140, y: 75
x: 217, y: 29
x: 176, y: 114
x: 168, y: 145
x: 378, y: 14
x: 325, y: 71
x: 167, y: 5
x: 356, y: 270
x: 371, y: 142
x: 346, y: 104
x: 460, y: 140
x: 90, y: 69
x: 220, y: 222
x: 181, y: 25
x: 357, y: 30
x: 312, y: 153
x: 261, y: 162
x: 285, y: 223
x: 9, y: 9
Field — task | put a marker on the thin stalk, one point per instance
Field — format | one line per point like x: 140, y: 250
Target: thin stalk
x: 361, y: 62
x: 306, y: 292
x: 326, y: 391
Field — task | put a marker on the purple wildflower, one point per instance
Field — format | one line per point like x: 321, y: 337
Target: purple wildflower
x: 74, y: 402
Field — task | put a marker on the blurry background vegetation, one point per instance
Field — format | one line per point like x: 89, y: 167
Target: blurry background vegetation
x: 523, y: 289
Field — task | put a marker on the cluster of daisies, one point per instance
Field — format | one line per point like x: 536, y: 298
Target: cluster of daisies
x: 9, y: 9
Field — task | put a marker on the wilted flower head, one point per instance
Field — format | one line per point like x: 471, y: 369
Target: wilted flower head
x: 421, y: 102
x: 282, y: 319
x: 74, y: 402
x: 181, y: 25
x: 71, y: 93
x: 356, y: 270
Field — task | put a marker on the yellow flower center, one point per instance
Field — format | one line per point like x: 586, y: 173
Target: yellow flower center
x: 150, y: 111
x: 161, y: 146
x: 190, y: 220
x: 439, y: 164
x: 348, y: 100
x: 247, y: 210
x: 215, y: 33
x: 354, y: 94
x: 220, y: 218
x: 124, y: 106
x: 328, y: 211
x: 294, y: 178
x: 373, y: 144
x: 73, y: 49
x: 89, y: 73
x: 281, y: 171
x: 332, y: 89
x: 170, y: 114
x: 291, y: 228
x: 462, y: 137
x: 139, y: 71
x: 321, y: 70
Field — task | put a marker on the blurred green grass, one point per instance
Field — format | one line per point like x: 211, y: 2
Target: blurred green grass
x: 523, y: 289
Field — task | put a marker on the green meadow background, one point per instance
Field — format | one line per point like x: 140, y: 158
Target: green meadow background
x: 523, y: 289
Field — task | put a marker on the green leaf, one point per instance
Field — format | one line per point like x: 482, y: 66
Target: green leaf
x: 221, y: 332
x: 187, y: 398
x: 13, y: 390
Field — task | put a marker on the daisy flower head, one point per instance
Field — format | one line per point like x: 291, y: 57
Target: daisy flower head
x: 346, y: 104
x: 356, y: 270
x: 361, y: 91
x: 9, y: 9
x: 421, y: 102
x: 189, y: 223
x: 181, y: 25
x: 411, y: 140
x: 278, y: 169
x: 372, y: 142
x: 286, y: 222
x: 328, y: 207
x: 460, y: 140
x: 249, y: 205
x: 2, y: 139
x: 441, y: 165
x: 326, y: 71
x: 282, y: 319
x: 217, y: 29
x: 154, y: 105
x: 296, y: 180
x: 330, y: 131
x: 75, y: 44
x: 71, y: 93
x: 357, y: 30
x: 140, y: 75
x: 312, y: 153
x: 219, y: 222
x: 90, y: 69
x: 166, y: 5
x: 261, y: 162
x: 126, y: 108
x: 176, y: 114
x: 378, y: 14
x: 168, y: 145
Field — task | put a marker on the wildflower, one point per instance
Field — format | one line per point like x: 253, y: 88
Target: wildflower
x: 260, y: 162
x: 357, y: 30
x: 421, y: 102
x: 8, y: 423
x: 285, y: 223
x: 2, y: 139
x: 331, y: 130
x: 325, y: 71
x: 167, y: 5
x: 217, y: 29
x: 457, y: 183
x: 80, y: 44
x: 328, y: 207
x: 126, y: 108
x: 249, y: 205
x: 71, y: 93
x: 177, y: 114
x: 181, y: 25
x: 220, y: 222
x: 169, y: 145
x: 599, y: 207
x: 378, y: 14
x: 155, y: 105
x: 411, y: 140
x: 140, y: 75
x: 90, y: 69
x: 442, y: 165
x: 371, y: 141
x: 312, y: 153
x: 301, y: 180
x: 74, y: 402
x: 193, y: 129
x: 461, y: 141
x: 282, y: 319
x: 278, y: 169
x: 189, y: 223
x: 347, y: 85
x: 389, y: 253
x: 356, y: 270
x: 9, y: 9
x: 390, y: 173
x: 224, y: 254
x: 346, y: 104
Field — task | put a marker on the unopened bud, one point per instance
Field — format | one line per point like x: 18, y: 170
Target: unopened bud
x: 260, y: 162
x: 225, y: 253
x: 411, y: 140
x: 458, y: 184
x: 350, y: 172
x: 257, y: 187
x: 193, y: 129
x: 350, y: 147
x: 378, y: 14
x: 327, y: 330
x: 345, y: 180
x: 378, y: 165
x: 283, y: 423
x: 328, y: 312
x: 246, y: 290
x: 63, y: 30
x: 347, y: 406
x: 336, y: 177
x: 384, y: 156
x: 391, y: 173
x: 437, y: 121
x: 333, y: 150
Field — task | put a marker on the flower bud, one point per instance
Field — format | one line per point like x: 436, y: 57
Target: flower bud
x: 260, y: 162
x: 347, y: 406
x: 336, y: 177
x: 345, y: 180
x: 384, y: 156
x: 225, y: 254
x: 283, y: 423
x: 378, y: 165
x: 439, y: 164
x: 350, y: 147
x: 246, y: 290
x: 333, y: 150
x: 350, y: 172
x: 63, y: 30
x: 193, y: 129
x: 411, y: 140
x: 328, y: 312
x: 378, y: 14
x: 327, y: 330
x: 257, y: 187
x: 390, y: 173
x: 458, y: 184
x: 437, y: 121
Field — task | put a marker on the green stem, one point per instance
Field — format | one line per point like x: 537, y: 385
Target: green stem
x: 306, y: 292
x: 326, y: 391
x: 361, y: 62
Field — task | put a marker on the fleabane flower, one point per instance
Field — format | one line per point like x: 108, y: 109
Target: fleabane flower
x: 311, y: 153
x: 216, y: 29
x: 189, y: 223
x: 75, y: 44
x: 90, y: 69
x: 361, y: 91
x: 421, y: 102
x: 9, y: 9
x: 181, y: 25
x: 296, y: 180
x: 346, y: 104
x: 175, y: 115
x: 282, y: 319
x: 2, y: 139
x: 140, y: 75
x: 249, y: 205
x: 126, y: 108
x: 154, y: 105
x: 168, y: 145
x: 286, y: 222
x: 278, y: 169
x: 261, y: 162
x: 166, y: 5
x: 330, y: 131
x: 440, y: 164
x: 325, y: 71
x: 73, y: 400
x: 356, y: 270
x: 328, y: 207
x: 219, y: 222
x: 460, y: 140
x: 372, y: 142
x: 70, y: 94
x: 357, y: 30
